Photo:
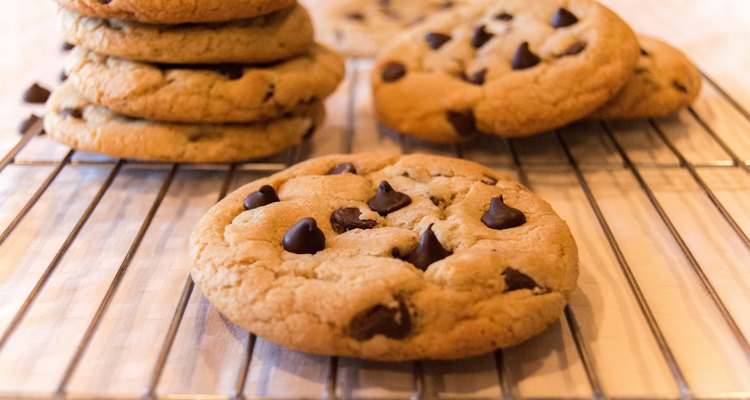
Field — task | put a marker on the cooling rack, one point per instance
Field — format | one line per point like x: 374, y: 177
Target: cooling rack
x: 96, y: 299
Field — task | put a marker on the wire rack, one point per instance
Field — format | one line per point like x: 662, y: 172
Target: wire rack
x: 96, y: 299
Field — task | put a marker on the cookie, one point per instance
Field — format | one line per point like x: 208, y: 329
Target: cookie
x: 280, y: 35
x: 386, y: 258
x: 506, y: 67
x: 663, y: 82
x: 362, y: 27
x: 205, y: 93
x: 76, y: 122
x: 175, y: 11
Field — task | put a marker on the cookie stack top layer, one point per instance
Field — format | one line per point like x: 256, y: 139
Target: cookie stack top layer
x: 509, y: 67
x: 175, y: 11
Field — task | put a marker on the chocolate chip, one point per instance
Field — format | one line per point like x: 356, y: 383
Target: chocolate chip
x: 489, y: 180
x: 304, y: 238
x: 395, y: 252
x: 264, y: 196
x: 72, y: 112
x: 105, y: 1
x: 480, y: 37
x: 563, y: 18
x: 394, y: 323
x: 33, y: 121
x: 428, y: 251
x: 574, y: 49
x: 501, y: 216
x: 356, y: 16
x: 679, y: 86
x: 36, y: 94
x: 343, y: 168
x: 67, y: 46
x: 346, y: 219
x: 476, y: 78
x: 436, y: 200
x: 63, y: 76
x: 270, y: 91
x: 645, y: 53
x: 393, y: 71
x: 463, y: 122
x: 504, y: 16
x: 524, y: 58
x: 310, y: 132
x: 387, y: 200
x: 436, y: 40
x: 517, y: 280
x: 231, y: 71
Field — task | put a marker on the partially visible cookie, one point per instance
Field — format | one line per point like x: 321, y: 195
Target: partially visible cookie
x: 74, y: 121
x: 506, y: 67
x: 362, y: 27
x: 663, y: 82
x: 175, y: 11
x: 280, y: 35
x: 386, y: 258
x: 205, y: 93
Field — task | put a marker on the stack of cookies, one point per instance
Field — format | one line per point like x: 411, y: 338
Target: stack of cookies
x: 213, y: 81
x: 506, y: 67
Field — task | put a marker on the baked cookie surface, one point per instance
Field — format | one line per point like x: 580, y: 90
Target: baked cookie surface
x: 663, y: 82
x: 175, y: 11
x: 205, y: 93
x: 386, y: 258
x: 280, y: 35
x: 362, y: 27
x: 506, y: 67
x: 76, y: 122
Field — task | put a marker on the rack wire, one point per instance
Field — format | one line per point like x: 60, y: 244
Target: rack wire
x: 516, y: 156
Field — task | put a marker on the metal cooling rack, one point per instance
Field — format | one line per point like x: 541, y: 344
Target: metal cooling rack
x: 85, y: 314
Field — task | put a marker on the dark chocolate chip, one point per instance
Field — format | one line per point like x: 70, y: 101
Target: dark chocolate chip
x: 346, y: 219
x: 436, y: 200
x: 356, y: 16
x: 489, y: 180
x: 264, y: 196
x: 343, y: 168
x: 387, y: 200
x: 524, y: 58
x: 574, y: 49
x: 270, y: 91
x: 517, y: 280
x: 72, y: 112
x: 428, y: 251
x: 679, y: 86
x: 33, y: 121
x: 504, y: 16
x: 463, y: 122
x: 480, y: 37
x: 645, y: 53
x: 563, y: 18
x: 395, y: 252
x: 36, y: 94
x: 501, y: 216
x: 304, y: 238
x: 105, y: 1
x: 476, y: 78
x: 393, y: 71
x: 231, y: 71
x: 67, y: 46
x: 63, y: 76
x: 436, y: 40
x: 394, y: 323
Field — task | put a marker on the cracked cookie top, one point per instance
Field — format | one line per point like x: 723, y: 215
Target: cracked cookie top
x: 386, y: 258
x: 507, y: 67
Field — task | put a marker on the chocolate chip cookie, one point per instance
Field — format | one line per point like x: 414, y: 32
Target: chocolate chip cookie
x: 663, y: 82
x: 175, y: 11
x: 276, y: 36
x: 363, y: 27
x: 205, y: 93
x: 76, y: 122
x: 386, y: 258
x: 506, y: 67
